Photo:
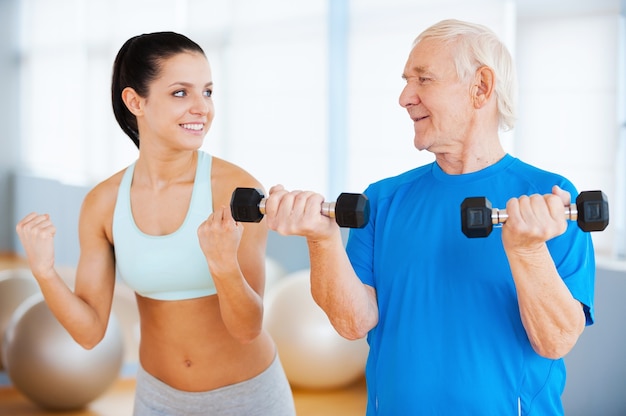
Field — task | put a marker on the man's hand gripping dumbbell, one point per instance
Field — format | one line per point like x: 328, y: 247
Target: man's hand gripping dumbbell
x: 591, y: 212
x: 350, y: 210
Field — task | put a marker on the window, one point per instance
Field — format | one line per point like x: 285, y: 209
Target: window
x: 271, y: 68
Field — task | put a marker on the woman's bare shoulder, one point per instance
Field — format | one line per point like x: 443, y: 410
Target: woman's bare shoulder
x: 105, y: 192
x: 226, y: 176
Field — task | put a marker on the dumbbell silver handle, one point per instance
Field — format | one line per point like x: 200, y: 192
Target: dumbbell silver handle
x: 499, y: 216
x: 327, y: 210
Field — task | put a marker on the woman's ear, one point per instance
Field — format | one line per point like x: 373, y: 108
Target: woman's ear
x: 484, y: 84
x: 132, y: 100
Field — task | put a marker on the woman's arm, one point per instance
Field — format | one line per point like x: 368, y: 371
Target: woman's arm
x: 235, y: 254
x: 83, y: 312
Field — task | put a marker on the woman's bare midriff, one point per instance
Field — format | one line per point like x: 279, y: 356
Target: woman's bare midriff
x: 186, y: 345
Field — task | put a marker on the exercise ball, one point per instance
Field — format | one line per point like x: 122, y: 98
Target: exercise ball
x: 313, y: 354
x: 46, y: 365
x: 15, y: 286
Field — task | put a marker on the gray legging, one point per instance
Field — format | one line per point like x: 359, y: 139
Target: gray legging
x: 268, y: 393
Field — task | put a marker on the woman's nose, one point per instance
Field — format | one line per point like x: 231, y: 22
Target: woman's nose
x: 200, y: 105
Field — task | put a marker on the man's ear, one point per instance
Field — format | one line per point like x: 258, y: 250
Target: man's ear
x: 484, y: 84
x: 132, y: 100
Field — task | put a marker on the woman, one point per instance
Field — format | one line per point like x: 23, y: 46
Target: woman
x: 165, y: 223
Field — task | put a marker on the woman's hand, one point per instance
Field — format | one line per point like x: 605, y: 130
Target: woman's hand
x: 219, y: 237
x: 36, y: 232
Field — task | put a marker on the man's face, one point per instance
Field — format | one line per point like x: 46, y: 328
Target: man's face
x: 437, y: 101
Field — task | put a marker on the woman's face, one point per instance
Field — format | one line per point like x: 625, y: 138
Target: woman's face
x: 178, y: 110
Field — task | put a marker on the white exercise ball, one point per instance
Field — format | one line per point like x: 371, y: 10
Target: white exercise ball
x: 46, y: 365
x: 312, y: 353
x: 15, y: 286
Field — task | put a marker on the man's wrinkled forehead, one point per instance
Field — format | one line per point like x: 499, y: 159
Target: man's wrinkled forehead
x: 429, y: 57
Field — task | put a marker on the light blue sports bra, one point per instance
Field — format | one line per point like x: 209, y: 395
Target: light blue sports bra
x: 168, y: 267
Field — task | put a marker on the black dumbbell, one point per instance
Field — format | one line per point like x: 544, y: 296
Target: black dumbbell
x: 591, y: 212
x: 350, y: 210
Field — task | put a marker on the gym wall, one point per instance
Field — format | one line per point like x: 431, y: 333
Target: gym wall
x: 9, y: 113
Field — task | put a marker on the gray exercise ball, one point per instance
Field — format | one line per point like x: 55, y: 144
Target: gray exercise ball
x: 15, y: 286
x: 46, y: 365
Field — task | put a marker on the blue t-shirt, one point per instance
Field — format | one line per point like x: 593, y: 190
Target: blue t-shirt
x: 450, y: 340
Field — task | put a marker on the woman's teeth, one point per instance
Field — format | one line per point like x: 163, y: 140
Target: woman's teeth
x: 196, y: 127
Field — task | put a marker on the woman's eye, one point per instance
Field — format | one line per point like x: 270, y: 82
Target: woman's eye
x: 180, y: 93
x: 423, y: 79
x: 208, y: 93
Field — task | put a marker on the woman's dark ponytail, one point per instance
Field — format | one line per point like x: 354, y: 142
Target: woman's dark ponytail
x: 126, y: 120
